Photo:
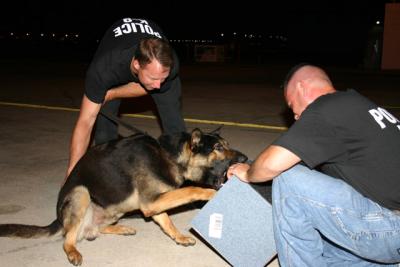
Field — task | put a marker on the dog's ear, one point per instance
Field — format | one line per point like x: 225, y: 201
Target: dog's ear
x: 195, y: 139
x: 217, y: 131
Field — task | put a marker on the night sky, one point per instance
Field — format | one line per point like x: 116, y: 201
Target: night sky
x: 316, y: 25
x: 193, y: 17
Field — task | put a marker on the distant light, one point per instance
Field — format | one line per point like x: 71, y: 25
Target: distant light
x: 234, y: 33
x: 76, y: 35
x: 222, y: 34
x: 53, y: 34
x: 378, y: 22
x: 11, y: 33
x: 66, y: 35
x: 42, y: 34
x: 27, y: 34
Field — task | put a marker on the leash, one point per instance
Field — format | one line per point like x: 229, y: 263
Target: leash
x: 118, y: 121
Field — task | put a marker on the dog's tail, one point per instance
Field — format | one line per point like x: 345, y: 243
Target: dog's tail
x: 30, y: 231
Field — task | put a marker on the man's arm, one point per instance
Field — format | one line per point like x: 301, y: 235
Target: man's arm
x: 82, y: 131
x: 269, y: 164
x: 87, y: 117
x: 131, y: 89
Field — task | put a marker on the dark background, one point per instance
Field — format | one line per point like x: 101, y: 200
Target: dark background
x: 335, y: 32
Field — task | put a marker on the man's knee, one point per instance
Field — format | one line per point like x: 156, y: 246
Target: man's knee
x: 296, y: 178
x: 105, y: 131
x: 104, y: 137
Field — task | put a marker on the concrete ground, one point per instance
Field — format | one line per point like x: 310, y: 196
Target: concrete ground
x: 38, y: 108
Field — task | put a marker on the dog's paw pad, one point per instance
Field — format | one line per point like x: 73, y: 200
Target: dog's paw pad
x: 129, y: 231
x: 75, y: 258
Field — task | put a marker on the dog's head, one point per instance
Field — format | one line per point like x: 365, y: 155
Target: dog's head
x: 206, y: 157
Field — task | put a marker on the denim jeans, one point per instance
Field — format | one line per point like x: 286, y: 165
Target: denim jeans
x: 322, y: 221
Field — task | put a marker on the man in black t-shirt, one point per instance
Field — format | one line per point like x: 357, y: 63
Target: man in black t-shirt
x: 133, y: 59
x: 341, y: 205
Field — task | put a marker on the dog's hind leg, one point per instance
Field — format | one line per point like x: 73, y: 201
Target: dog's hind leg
x: 169, y: 228
x: 118, y: 230
x: 73, y: 217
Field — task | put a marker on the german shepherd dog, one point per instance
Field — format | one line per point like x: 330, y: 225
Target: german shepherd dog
x: 137, y: 172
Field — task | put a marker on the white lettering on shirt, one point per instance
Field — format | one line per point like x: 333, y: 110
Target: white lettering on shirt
x: 381, y: 115
x: 134, y: 26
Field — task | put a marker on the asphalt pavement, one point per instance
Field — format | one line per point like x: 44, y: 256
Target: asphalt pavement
x: 39, y: 102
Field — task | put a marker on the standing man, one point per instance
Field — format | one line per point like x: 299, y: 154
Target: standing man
x: 341, y: 208
x: 133, y: 59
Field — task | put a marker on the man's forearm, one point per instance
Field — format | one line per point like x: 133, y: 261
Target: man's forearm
x: 79, y: 144
x: 131, y: 89
x: 270, y: 163
x: 258, y: 172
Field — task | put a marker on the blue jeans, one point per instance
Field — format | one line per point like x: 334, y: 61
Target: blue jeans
x: 322, y: 221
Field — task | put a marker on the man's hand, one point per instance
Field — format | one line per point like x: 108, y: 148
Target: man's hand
x: 239, y: 170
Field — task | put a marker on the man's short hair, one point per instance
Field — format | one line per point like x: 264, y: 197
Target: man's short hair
x: 154, y: 48
x: 291, y: 72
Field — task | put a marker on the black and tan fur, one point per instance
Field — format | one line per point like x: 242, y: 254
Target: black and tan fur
x: 134, y: 173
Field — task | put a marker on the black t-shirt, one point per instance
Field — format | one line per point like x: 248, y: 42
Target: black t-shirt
x: 347, y: 136
x: 110, y: 66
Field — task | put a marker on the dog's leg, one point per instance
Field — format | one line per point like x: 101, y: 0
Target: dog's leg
x: 176, y: 198
x: 169, y: 228
x: 118, y: 230
x: 73, y: 215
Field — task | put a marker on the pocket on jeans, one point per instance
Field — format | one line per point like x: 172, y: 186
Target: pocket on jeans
x: 373, y: 224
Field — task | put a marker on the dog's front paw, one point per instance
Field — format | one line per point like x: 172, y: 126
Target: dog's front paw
x: 128, y: 231
x: 75, y: 257
x: 209, y: 193
x: 185, y: 240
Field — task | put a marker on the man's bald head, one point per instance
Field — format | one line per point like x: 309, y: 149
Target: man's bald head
x: 303, y: 84
x: 309, y: 72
